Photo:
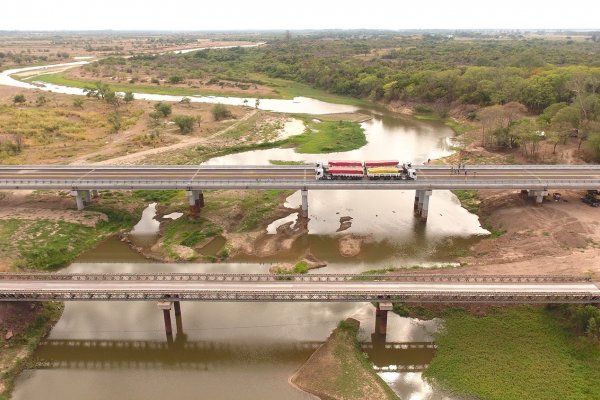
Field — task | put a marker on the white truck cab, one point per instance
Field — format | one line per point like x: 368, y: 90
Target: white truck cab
x: 319, y: 171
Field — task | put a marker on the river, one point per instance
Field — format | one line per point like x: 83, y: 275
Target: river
x: 111, y: 350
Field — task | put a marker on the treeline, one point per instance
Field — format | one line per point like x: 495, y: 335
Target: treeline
x: 557, y: 79
x: 483, y: 72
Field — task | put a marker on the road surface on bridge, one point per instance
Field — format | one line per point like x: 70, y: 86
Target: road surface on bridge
x: 292, y: 177
x: 284, y: 290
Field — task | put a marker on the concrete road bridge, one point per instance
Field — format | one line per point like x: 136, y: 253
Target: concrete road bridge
x: 85, y: 181
x: 170, y: 289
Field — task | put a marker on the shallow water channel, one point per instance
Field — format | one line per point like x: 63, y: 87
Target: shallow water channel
x: 113, y: 350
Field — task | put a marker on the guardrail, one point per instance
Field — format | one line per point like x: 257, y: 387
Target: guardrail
x: 304, y: 296
x: 178, y: 184
x: 308, y: 166
x: 175, y: 277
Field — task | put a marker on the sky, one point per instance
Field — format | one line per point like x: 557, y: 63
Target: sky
x: 303, y: 14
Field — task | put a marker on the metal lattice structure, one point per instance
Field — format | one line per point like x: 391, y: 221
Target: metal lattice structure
x: 410, y: 288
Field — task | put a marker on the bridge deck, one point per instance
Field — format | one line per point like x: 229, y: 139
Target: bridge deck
x: 354, y: 289
x: 290, y: 177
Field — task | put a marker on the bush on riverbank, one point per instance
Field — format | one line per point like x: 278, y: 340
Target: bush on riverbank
x: 514, y: 353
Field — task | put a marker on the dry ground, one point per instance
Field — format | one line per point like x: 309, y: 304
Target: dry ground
x: 555, y: 238
x: 77, y: 45
x: 92, y: 140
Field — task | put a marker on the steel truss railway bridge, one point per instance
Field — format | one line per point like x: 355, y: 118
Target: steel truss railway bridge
x: 85, y: 181
x: 170, y: 289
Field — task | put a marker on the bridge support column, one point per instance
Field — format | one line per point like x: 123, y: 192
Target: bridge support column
x: 78, y: 194
x: 88, y: 196
x: 178, y: 322
x: 381, y: 314
x: 165, y: 306
x: 95, y: 194
x: 418, y: 195
x: 425, y: 206
x: 539, y: 195
x: 196, y: 201
x: 305, y: 203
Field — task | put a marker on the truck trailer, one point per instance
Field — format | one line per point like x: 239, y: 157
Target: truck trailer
x: 372, y: 170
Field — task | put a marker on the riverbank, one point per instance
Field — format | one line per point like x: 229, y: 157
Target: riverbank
x: 42, y: 231
x: 340, y: 370
x: 514, y: 353
x: 22, y: 326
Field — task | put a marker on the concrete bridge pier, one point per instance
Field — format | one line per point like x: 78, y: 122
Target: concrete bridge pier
x: 165, y: 306
x: 82, y: 197
x: 196, y: 201
x: 425, y: 206
x: 539, y: 195
x: 305, y: 203
x: 94, y: 194
x: 418, y: 194
x: 381, y: 314
x: 422, y: 203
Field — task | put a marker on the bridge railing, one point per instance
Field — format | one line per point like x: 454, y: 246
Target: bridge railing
x: 171, y: 277
x: 309, y: 183
x: 487, y: 297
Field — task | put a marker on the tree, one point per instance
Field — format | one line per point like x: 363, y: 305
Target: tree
x: 528, y: 134
x: 219, y: 112
x: 114, y: 119
x: 164, y: 109
x: 100, y: 90
x: 19, y: 99
x: 18, y: 140
x: 257, y: 103
x: 186, y: 100
x: 592, y: 145
x: 128, y: 97
x: 184, y: 122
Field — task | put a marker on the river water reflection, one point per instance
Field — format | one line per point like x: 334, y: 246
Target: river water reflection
x: 112, y: 350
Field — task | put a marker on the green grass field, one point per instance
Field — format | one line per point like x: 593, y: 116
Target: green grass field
x: 515, y: 353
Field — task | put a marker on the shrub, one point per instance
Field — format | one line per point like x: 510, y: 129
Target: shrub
x: 301, y: 267
x: 128, y: 97
x: 78, y: 103
x: 175, y: 79
x: 19, y: 99
x: 163, y: 109
x: 219, y: 112
x: 184, y: 122
x: 41, y: 100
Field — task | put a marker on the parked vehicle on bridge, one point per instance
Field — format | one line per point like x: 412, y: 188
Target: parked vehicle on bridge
x: 373, y: 170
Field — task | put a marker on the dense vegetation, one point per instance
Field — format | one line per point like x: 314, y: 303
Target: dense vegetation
x: 559, y: 80
x: 518, y: 353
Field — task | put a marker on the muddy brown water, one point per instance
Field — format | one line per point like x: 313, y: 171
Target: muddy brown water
x: 113, y: 350
x: 118, y: 350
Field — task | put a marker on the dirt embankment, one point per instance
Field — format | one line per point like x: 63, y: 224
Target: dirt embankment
x: 554, y: 238
x: 336, y: 370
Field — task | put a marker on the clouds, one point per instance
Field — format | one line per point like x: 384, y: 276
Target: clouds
x: 305, y: 14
